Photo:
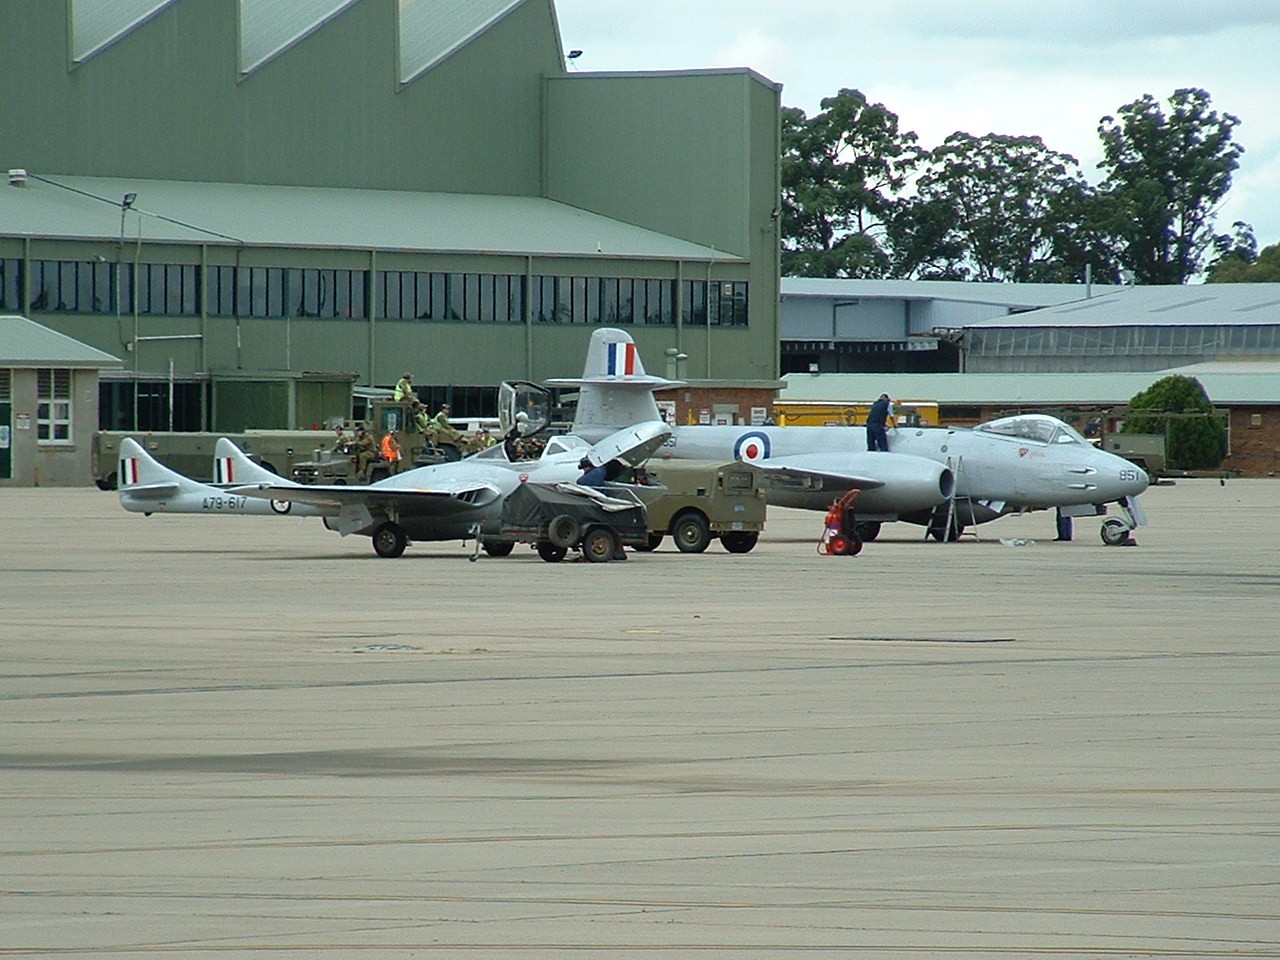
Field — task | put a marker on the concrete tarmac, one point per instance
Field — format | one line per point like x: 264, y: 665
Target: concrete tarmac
x: 249, y: 737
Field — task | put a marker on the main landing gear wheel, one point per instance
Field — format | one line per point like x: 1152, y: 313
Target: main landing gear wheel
x: 691, y: 533
x: 499, y: 548
x: 598, y: 545
x: 389, y: 540
x: 739, y: 541
x: 1114, y: 532
x: 867, y: 530
x: 550, y: 552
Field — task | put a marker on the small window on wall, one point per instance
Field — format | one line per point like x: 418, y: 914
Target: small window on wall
x: 53, y: 406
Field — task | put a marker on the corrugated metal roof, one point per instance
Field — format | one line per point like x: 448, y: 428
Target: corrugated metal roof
x: 430, y: 30
x: 1242, y: 383
x: 319, y: 217
x: 1209, y: 304
x: 96, y: 24
x: 25, y: 343
x: 1011, y: 295
x: 269, y: 27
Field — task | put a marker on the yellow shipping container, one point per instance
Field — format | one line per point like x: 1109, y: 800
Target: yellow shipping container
x: 820, y: 413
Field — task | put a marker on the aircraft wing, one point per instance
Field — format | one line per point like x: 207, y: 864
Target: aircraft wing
x: 828, y: 471
x: 441, y: 498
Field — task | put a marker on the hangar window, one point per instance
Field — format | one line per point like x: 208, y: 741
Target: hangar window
x: 608, y: 300
x: 53, y: 406
x: 477, y: 297
x: 160, y: 288
x: 10, y: 285
x: 67, y: 286
x: 325, y: 293
x: 720, y: 303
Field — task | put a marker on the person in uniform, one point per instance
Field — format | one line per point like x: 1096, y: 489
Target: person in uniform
x: 366, y: 451
x: 404, y: 389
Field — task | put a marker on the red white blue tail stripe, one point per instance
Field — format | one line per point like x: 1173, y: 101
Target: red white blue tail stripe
x: 224, y: 470
x: 622, y: 360
x: 128, y: 471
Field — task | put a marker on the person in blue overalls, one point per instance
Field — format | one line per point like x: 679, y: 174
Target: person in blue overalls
x: 881, y: 413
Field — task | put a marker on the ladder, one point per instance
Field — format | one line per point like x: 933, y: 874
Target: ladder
x: 946, y: 512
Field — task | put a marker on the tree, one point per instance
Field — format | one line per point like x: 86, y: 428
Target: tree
x: 1178, y: 407
x: 1000, y: 208
x: 1165, y: 177
x: 1238, y: 260
x: 841, y: 172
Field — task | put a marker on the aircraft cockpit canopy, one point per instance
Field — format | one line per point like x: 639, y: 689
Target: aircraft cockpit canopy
x: 523, y: 404
x: 1035, y: 427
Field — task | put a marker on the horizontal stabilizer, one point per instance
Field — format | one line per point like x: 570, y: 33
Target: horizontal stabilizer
x: 159, y: 491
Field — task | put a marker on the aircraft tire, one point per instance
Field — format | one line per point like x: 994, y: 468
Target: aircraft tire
x: 691, y: 532
x: 389, y: 540
x: 867, y: 530
x: 1114, y: 532
x: 598, y: 545
x: 499, y: 548
x: 550, y: 552
x: 739, y: 541
x: 563, y: 531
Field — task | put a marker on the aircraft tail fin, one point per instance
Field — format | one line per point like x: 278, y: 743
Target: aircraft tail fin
x: 614, y: 390
x: 232, y: 467
x: 142, y: 476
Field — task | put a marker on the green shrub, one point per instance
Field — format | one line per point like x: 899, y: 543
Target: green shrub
x: 1178, y: 407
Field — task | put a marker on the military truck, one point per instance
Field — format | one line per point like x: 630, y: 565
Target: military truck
x: 418, y: 446
x: 1146, y: 450
x: 696, y: 500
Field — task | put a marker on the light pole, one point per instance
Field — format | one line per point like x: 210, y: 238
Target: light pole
x: 125, y: 203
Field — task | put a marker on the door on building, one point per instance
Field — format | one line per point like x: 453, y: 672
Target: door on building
x: 6, y: 440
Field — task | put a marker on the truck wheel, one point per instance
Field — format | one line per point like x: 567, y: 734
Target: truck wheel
x: 598, y: 545
x: 499, y: 548
x: 550, y: 552
x: 563, y: 531
x: 691, y: 532
x: 739, y: 541
x: 389, y: 540
x: 449, y: 452
x: 654, y: 541
x: 109, y: 482
x: 378, y: 472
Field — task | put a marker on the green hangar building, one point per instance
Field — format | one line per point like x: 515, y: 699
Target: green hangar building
x: 250, y: 201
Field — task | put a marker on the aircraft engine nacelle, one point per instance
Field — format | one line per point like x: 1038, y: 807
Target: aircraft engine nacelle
x: 910, y: 483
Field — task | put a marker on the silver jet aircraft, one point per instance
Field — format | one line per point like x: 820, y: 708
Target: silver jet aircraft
x: 1011, y: 465
x: 457, y: 500
x: 148, y: 486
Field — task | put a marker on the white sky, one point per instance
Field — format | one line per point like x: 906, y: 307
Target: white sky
x: 1018, y: 67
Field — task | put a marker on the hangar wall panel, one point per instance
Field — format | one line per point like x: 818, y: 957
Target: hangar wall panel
x: 167, y: 101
